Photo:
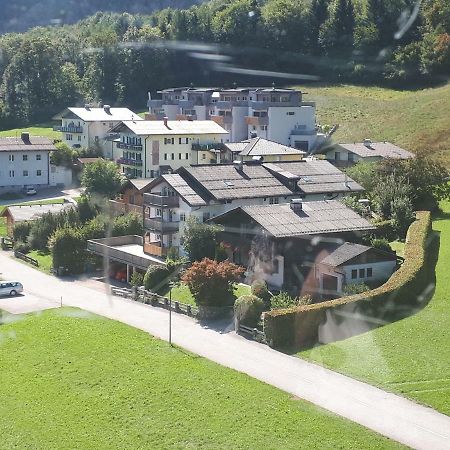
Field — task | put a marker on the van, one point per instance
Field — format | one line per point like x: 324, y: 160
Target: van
x: 10, y: 288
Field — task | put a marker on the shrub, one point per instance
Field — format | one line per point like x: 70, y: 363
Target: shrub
x: 283, y: 300
x: 137, y: 279
x: 402, y: 215
x: 381, y: 244
x: 21, y: 231
x: 68, y: 248
x: 211, y: 282
x: 156, y: 277
x: 22, y: 247
x: 86, y: 210
x: 355, y: 288
x: 259, y: 288
x: 248, y: 309
x: 387, y: 190
x: 129, y: 224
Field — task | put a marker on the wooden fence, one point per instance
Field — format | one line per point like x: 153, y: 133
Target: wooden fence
x: 7, y: 243
x: 254, y: 333
x: 26, y: 258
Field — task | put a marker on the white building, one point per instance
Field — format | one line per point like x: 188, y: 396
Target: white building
x: 279, y: 115
x: 147, y: 148
x: 89, y: 127
x: 24, y: 161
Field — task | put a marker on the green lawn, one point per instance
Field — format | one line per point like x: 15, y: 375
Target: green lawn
x: 182, y: 293
x: 44, y: 129
x: 44, y: 258
x: 412, y: 119
x: 75, y: 380
x: 398, y: 247
x: 411, y: 356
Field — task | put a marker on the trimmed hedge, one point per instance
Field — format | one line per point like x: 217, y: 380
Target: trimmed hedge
x: 299, y: 326
x: 248, y: 309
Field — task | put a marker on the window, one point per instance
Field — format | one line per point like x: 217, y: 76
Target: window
x: 38, y: 157
x: 11, y: 158
x: 25, y: 173
x: 273, y: 200
x: 354, y: 274
x: 203, y: 156
x: 69, y: 137
x: 187, y: 155
x: 180, y: 155
x: 351, y: 156
x: 165, y: 156
x: 158, y: 212
x: 38, y: 173
x: 264, y: 127
x: 290, y: 113
x: 276, y: 266
x: 11, y: 173
x: 362, y: 273
x: 79, y: 138
x: 182, y: 217
x: 25, y: 157
x: 173, y: 156
x: 169, y: 141
x: 369, y: 272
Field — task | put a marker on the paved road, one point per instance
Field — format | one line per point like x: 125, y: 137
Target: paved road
x: 391, y: 415
x: 46, y: 194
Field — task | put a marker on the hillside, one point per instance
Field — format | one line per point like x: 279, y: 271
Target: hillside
x: 21, y: 15
x: 411, y: 119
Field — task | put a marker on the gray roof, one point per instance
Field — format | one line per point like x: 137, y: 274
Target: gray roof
x: 318, y: 217
x: 184, y: 190
x: 261, y: 147
x: 348, y: 250
x: 35, y: 143
x: 377, y: 149
x: 140, y: 183
x: 32, y: 212
x: 314, y: 176
x: 173, y: 127
x: 225, y: 182
x: 236, y: 147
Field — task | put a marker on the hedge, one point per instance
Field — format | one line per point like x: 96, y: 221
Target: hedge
x: 298, y: 327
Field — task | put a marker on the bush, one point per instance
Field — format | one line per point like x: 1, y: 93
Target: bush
x: 259, y: 288
x: 129, y: 224
x: 86, y: 210
x: 156, y: 277
x: 381, y: 244
x: 137, y: 279
x: 21, y: 231
x: 283, y: 300
x: 68, y: 248
x: 402, y: 215
x: 248, y: 309
x: 22, y: 247
x: 355, y: 288
x: 211, y: 282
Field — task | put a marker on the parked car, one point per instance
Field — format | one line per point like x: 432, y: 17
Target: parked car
x: 10, y: 288
x: 30, y: 190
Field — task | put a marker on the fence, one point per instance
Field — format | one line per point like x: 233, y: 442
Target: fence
x: 254, y: 333
x: 6, y: 243
x: 26, y: 258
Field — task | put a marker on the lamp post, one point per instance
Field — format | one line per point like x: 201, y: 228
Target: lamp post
x: 170, y: 313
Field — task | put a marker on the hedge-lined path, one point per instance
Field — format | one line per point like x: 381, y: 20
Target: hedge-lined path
x: 386, y: 413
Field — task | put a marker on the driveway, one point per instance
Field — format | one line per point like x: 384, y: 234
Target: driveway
x: 46, y: 194
x: 386, y: 413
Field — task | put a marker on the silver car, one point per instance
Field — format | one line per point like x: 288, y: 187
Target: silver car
x: 10, y: 288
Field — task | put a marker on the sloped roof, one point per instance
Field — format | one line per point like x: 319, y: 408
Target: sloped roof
x: 174, y: 127
x: 319, y: 217
x: 34, y: 143
x: 314, y: 176
x: 348, y: 250
x: 103, y: 115
x: 32, y: 212
x: 183, y: 189
x: 140, y: 183
x: 377, y: 149
x: 262, y: 147
x: 236, y: 147
x: 226, y: 182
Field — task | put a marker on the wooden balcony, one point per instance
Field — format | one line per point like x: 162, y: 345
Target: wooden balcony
x: 155, y: 249
x: 163, y: 201
x: 256, y: 121
x: 221, y: 120
x: 161, y: 226
x: 119, y: 208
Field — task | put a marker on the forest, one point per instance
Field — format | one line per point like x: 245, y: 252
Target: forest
x: 116, y: 58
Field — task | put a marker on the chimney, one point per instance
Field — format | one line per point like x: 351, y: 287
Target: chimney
x: 296, y: 205
x: 25, y: 137
x: 107, y: 109
x: 367, y: 143
x: 238, y: 165
x: 165, y: 121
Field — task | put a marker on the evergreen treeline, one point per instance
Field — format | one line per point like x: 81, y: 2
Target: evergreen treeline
x: 117, y: 58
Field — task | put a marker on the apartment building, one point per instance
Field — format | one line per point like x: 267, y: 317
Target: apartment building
x: 279, y: 115
x: 148, y: 148
x: 24, y: 161
x: 89, y: 127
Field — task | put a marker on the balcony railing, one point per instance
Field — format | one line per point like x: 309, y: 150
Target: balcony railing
x: 119, y: 208
x: 162, y: 201
x: 155, y: 249
x: 68, y: 129
x: 186, y: 117
x: 206, y: 147
x: 130, y: 162
x: 303, y: 132
x: 129, y: 146
x: 162, y: 226
x: 221, y: 120
x: 254, y: 120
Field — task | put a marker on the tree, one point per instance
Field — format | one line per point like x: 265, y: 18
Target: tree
x: 402, y: 215
x: 199, y: 240
x: 68, y: 248
x: 128, y: 224
x: 387, y: 190
x: 211, y: 282
x: 102, y: 178
x: 156, y: 277
x: 63, y: 155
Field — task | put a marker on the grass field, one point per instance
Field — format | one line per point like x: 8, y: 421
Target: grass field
x: 411, y: 119
x: 44, y: 258
x: 181, y: 293
x: 411, y: 356
x: 44, y: 129
x: 79, y: 381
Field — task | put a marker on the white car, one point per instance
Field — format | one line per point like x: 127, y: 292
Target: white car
x: 10, y: 288
x: 30, y: 190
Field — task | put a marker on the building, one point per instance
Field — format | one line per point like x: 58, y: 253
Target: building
x: 279, y: 115
x: 281, y: 243
x: 131, y: 196
x: 147, y: 148
x: 260, y: 148
x: 89, y: 127
x: 24, y: 161
x: 348, y: 154
x: 29, y: 213
x: 352, y: 263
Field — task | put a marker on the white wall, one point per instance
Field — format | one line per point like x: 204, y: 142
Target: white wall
x: 239, y: 127
x: 60, y: 176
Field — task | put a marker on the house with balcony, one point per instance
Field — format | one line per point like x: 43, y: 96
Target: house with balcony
x: 130, y: 198
x: 89, y: 127
x: 344, y: 155
x: 148, y: 148
x: 276, y: 114
x: 25, y: 161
